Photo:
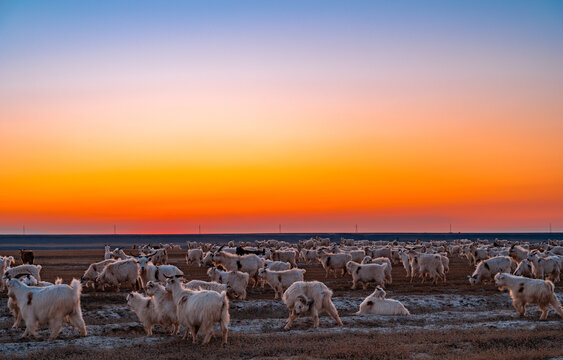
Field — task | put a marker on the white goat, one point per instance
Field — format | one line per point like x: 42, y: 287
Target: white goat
x: 524, y: 269
x: 12, y: 273
x: 107, y: 252
x: 310, y: 255
x: 518, y: 253
x: 376, y: 303
x: 487, y: 269
x: 150, y: 272
x: 121, y: 272
x: 165, y: 306
x: 334, y: 262
x: 547, y: 267
x: 93, y: 271
x: 313, y: 296
x: 200, y: 310
x: 529, y: 291
x: 194, y: 256
x: 406, y: 263
x: 276, y: 265
x: 5, y: 262
x: 366, y: 273
x: 289, y: 256
x: 246, y: 263
x: 237, y: 281
x: 145, y: 309
x: 281, y: 280
x: 50, y: 304
x: 428, y: 265
x: 206, y: 285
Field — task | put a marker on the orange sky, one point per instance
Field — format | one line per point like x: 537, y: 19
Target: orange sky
x: 158, y: 137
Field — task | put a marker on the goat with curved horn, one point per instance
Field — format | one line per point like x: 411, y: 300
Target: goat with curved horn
x: 17, y: 276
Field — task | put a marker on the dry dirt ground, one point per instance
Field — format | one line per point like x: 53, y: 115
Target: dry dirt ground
x: 452, y: 320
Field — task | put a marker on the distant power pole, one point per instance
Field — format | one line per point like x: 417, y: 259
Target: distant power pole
x: 199, y: 228
x: 550, y: 228
x: 280, y: 228
x: 114, y: 229
x: 356, y: 228
x: 450, y: 228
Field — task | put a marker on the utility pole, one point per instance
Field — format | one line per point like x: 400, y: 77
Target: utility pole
x: 550, y: 228
x: 114, y: 229
x: 280, y: 228
x: 356, y: 228
x: 199, y: 228
x: 450, y: 228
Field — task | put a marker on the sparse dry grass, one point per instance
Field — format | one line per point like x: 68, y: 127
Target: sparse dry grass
x: 510, y: 344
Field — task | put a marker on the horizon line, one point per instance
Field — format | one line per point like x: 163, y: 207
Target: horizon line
x: 284, y: 233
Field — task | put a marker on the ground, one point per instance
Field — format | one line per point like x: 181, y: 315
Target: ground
x: 452, y: 320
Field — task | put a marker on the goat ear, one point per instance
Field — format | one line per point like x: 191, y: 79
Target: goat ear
x: 310, y: 301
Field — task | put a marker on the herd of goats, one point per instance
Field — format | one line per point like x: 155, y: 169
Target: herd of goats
x: 527, y: 271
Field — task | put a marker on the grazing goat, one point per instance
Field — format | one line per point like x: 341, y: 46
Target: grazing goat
x: 200, y: 310
x: 525, y: 291
x: 93, y: 271
x: 380, y: 261
x: 206, y: 285
x: 289, y: 256
x: 524, y: 269
x: 121, y: 272
x: 334, y: 262
x: 313, y: 296
x: 245, y: 263
x: 357, y: 255
x: 518, y: 253
x: 542, y: 268
x: 159, y: 257
x: 380, y: 252
x: 366, y: 273
x: 50, y: 304
x: 12, y: 273
x: 149, y: 272
x: 428, y: 265
x: 376, y: 303
x: 237, y: 281
x: 276, y: 265
x: 281, y: 280
x: 194, y: 256
x: 310, y: 256
x: 487, y: 269
x: 242, y: 251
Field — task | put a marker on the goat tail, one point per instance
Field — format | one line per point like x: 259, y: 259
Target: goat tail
x: 76, y: 289
x: 225, y: 316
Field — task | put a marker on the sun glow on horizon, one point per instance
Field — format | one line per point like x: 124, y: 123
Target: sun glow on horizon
x: 318, y: 117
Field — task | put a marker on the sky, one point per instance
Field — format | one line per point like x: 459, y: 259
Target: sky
x: 402, y: 116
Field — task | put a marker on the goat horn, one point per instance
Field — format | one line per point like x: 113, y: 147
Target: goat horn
x: 21, y: 275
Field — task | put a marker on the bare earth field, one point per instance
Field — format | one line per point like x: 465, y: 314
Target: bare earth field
x: 452, y: 320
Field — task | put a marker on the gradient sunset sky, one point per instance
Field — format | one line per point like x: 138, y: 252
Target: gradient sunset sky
x: 158, y: 116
